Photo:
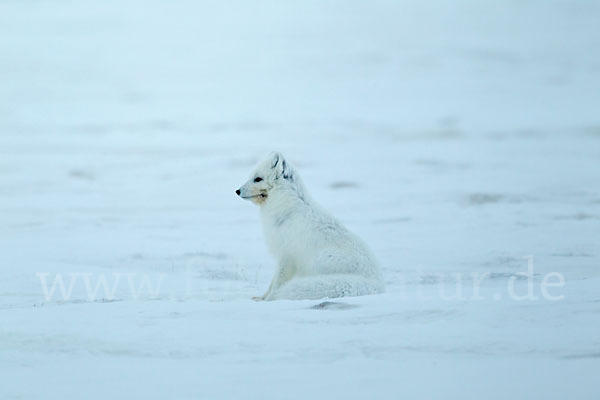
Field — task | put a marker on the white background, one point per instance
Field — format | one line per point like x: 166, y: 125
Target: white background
x: 455, y: 137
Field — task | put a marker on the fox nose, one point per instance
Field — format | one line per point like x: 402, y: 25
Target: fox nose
x: 237, y: 192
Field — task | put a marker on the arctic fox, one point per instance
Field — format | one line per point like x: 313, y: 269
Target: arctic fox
x: 317, y: 257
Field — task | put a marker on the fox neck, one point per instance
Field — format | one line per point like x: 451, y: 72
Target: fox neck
x: 285, y: 196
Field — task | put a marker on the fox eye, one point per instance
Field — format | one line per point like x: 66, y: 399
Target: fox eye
x: 257, y: 179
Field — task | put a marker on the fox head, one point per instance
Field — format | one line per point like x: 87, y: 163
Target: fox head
x: 273, y: 171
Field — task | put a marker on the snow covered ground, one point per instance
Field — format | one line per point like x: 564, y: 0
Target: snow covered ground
x: 459, y: 139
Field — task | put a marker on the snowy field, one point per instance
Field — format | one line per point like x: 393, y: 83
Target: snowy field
x: 460, y: 140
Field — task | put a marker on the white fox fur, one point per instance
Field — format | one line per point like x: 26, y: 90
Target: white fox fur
x: 317, y: 256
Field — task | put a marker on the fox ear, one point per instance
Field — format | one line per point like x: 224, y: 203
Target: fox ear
x: 280, y: 166
x: 285, y: 171
x: 275, y: 159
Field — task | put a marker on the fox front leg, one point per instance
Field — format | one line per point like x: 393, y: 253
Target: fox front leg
x: 284, y: 274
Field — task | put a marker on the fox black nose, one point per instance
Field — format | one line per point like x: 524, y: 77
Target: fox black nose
x: 237, y: 192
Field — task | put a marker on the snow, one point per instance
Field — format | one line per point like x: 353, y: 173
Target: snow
x: 459, y: 139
